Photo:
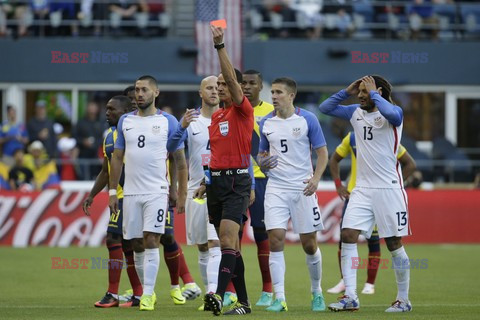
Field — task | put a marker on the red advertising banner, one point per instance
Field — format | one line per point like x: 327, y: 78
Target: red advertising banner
x: 55, y: 218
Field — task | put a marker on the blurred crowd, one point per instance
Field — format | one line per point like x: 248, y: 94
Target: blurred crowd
x: 29, y: 152
x: 83, y: 17
x: 264, y: 19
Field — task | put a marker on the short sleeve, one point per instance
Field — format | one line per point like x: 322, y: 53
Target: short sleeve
x: 344, y: 148
x: 120, y: 142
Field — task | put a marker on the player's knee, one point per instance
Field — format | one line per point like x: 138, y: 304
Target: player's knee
x: 167, y: 239
x: 138, y: 245
x: 127, y: 245
x: 113, y: 239
x: 310, y: 247
x: 393, y: 243
x: 349, y: 235
x: 202, y: 247
x: 213, y: 243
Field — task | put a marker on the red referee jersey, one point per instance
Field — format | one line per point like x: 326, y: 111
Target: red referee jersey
x: 231, y: 136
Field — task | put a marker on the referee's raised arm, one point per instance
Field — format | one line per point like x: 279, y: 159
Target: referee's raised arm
x: 226, y: 66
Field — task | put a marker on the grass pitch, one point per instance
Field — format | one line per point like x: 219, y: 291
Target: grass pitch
x: 447, y: 288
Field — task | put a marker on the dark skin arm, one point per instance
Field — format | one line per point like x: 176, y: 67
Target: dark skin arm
x: 335, y: 172
x: 100, y: 182
x: 115, y: 173
x: 182, y: 175
x: 408, y: 165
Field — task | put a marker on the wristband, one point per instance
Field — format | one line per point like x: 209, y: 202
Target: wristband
x: 338, y: 183
x: 219, y: 46
x: 112, y: 192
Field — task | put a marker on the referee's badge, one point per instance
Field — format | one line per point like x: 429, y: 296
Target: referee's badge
x: 223, y: 128
x: 296, y: 132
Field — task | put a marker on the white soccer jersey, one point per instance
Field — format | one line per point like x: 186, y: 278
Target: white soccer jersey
x: 291, y: 140
x: 144, y: 140
x: 377, y: 146
x: 198, y: 150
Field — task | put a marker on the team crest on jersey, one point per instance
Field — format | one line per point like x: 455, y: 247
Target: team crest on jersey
x: 156, y: 129
x: 223, y: 128
x: 378, y: 120
x: 296, y: 132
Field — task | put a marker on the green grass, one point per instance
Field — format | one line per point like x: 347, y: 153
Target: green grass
x: 448, y: 289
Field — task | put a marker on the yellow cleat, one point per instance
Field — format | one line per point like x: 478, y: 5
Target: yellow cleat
x: 176, y: 295
x: 147, y: 302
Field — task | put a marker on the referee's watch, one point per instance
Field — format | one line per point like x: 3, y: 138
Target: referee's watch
x: 219, y: 46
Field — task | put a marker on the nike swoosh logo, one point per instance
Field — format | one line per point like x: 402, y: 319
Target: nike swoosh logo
x: 316, y: 225
x: 269, y: 133
x: 359, y: 119
x: 128, y: 129
x: 157, y: 226
x: 401, y: 229
x: 195, y: 133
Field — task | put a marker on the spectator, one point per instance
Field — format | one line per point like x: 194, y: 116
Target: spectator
x: 338, y: 17
x: 421, y: 14
x: 89, y: 133
x: 41, y: 128
x: 68, y: 155
x: 20, y: 177
x: 121, y: 9
x: 5, y: 8
x: 275, y: 14
x: 92, y: 13
x: 308, y: 16
x: 4, y: 176
x: 155, y: 10
x: 60, y: 10
x: 44, y: 170
x: 39, y: 9
x: 13, y: 136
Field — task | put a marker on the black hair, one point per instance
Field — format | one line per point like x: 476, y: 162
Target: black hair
x: 381, y: 82
x: 123, y: 101
x: 128, y: 89
x: 150, y: 80
x: 288, y: 82
x: 255, y: 72
x: 238, y: 75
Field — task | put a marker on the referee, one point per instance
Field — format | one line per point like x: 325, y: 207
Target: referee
x: 228, y: 182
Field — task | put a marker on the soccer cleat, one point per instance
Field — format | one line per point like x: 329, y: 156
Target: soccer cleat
x: 229, y: 298
x: 214, y: 302
x: 132, y: 302
x: 176, y: 296
x: 147, y: 302
x: 108, y: 301
x: 126, y: 296
x: 278, y: 306
x: 204, y: 307
x: 345, y: 303
x: 339, y: 288
x: 191, y: 291
x: 368, y: 288
x: 238, y: 309
x: 318, y: 302
x: 400, y: 306
x: 265, y: 299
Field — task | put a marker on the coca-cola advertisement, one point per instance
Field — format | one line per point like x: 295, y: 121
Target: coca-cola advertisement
x: 55, y: 218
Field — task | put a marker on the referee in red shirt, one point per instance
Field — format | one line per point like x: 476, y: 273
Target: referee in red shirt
x: 228, y: 182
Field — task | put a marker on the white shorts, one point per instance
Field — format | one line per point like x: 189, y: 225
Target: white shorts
x: 144, y: 212
x: 388, y: 208
x: 303, y: 211
x: 199, y: 229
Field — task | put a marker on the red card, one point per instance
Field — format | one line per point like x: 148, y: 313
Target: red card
x: 219, y: 23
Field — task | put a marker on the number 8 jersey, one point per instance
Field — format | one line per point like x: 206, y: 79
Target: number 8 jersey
x: 144, y: 140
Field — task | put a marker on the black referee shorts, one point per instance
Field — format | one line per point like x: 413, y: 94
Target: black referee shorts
x: 228, y: 195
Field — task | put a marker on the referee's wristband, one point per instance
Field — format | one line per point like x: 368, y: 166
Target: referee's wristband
x: 112, y: 192
x: 338, y: 183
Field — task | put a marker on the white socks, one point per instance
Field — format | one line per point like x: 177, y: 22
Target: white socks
x: 138, y: 261
x: 151, y: 264
x: 349, y: 254
x: 401, y: 266
x: 215, y: 255
x: 277, y: 272
x: 314, y: 263
x: 202, y: 265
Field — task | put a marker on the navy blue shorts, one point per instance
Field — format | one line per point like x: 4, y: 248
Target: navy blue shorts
x: 257, y: 209
x: 116, y: 220
x: 169, y: 221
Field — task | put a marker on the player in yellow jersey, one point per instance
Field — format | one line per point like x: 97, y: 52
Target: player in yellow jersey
x: 348, y: 147
x: 252, y: 86
x: 116, y: 107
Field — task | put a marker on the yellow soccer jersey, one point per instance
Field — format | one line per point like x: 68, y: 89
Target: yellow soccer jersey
x: 108, y: 146
x: 259, y: 111
x: 347, y: 147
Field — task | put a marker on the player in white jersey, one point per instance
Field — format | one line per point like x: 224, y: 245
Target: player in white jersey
x: 142, y: 143
x: 378, y: 196
x: 193, y: 128
x: 286, y: 138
